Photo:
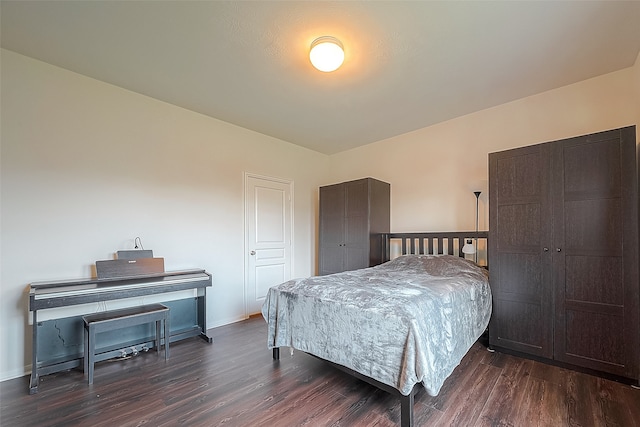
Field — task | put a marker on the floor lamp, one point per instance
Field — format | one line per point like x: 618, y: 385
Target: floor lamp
x: 477, y: 193
x: 469, y: 248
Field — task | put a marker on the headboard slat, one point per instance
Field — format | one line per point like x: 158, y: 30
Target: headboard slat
x: 460, y: 245
x: 445, y: 242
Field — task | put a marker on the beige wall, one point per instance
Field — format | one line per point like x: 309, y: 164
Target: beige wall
x: 636, y: 73
x: 87, y: 167
x: 434, y: 171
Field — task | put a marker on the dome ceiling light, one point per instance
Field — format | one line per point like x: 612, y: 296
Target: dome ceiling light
x: 326, y: 54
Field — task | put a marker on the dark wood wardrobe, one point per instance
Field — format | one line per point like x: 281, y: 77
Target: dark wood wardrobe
x: 352, y: 215
x: 563, y: 245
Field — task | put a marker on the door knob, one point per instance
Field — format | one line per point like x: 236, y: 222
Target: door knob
x: 545, y: 249
x: 558, y: 250
x: 252, y: 253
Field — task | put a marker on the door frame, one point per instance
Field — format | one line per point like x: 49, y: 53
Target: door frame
x: 248, y: 216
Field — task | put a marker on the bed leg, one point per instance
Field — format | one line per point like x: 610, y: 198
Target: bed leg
x: 276, y: 353
x: 406, y: 410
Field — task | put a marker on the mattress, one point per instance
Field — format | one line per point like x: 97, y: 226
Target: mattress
x: 410, y: 320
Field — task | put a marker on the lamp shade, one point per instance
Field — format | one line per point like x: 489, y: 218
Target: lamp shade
x: 326, y: 54
x: 468, y: 248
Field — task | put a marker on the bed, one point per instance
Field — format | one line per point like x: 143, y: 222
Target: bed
x: 400, y: 325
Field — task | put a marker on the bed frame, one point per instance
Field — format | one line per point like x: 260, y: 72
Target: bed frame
x: 448, y: 242
x: 417, y: 244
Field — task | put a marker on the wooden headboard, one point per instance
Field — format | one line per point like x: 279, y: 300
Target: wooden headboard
x: 449, y: 242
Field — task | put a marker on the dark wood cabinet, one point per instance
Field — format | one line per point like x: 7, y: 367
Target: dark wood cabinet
x: 563, y: 221
x: 519, y: 233
x: 352, y: 215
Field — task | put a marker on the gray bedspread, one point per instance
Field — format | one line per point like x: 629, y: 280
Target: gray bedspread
x: 408, y: 321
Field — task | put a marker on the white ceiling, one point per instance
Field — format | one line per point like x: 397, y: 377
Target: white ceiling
x: 408, y: 64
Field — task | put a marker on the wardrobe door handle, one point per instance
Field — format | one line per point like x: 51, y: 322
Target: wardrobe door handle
x: 545, y: 249
x: 558, y: 250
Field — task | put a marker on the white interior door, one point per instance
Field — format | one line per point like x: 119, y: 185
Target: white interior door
x: 268, y: 237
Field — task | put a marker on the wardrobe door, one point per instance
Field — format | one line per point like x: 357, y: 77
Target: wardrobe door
x: 379, y: 218
x: 332, y: 229
x: 356, y: 233
x: 595, y: 257
x: 519, y: 245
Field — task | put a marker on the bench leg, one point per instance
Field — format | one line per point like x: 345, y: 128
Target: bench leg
x: 166, y: 338
x: 85, y: 358
x: 91, y: 343
x: 158, y: 336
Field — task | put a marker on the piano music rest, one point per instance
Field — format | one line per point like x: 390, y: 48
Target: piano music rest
x: 116, y: 319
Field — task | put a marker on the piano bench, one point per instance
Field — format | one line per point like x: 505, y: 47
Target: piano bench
x: 116, y: 319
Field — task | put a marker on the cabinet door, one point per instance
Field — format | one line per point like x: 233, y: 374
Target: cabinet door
x: 520, y: 239
x: 356, y: 231
x: 594, y: 252
x: 332, y: 208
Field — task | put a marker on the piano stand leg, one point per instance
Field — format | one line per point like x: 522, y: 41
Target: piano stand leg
x: 206, y: 337
x: 35, y: 378
x: 33, y: 384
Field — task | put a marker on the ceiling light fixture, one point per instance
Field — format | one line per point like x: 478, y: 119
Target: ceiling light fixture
x: 326, y: 54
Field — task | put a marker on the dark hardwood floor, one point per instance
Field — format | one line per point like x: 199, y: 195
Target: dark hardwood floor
x: 235, y: 382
